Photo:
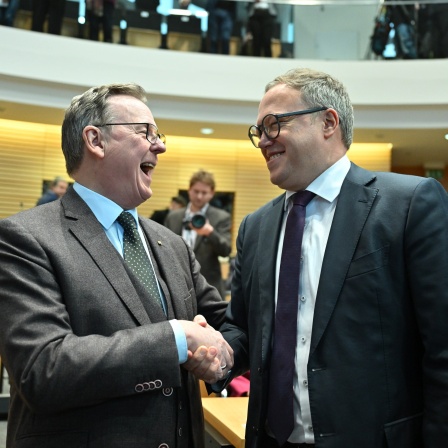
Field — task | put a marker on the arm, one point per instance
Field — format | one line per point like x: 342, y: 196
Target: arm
x: 65, y: 336
x: 426, y: 255
x: 218, y: 233
x: 234, y: 330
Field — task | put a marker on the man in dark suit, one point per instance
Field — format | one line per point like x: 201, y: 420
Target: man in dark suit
x: 176, y: 203
x: 370, y: 360
x: 210, y: 236
x: 57, y: 189
x: 95, y: 358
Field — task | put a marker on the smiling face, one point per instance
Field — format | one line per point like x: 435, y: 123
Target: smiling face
x: 122, y: 159
x: 301, y: 152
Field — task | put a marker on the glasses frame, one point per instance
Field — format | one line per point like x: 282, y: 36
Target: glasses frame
x: 158, y: 135
x: 262, y: 127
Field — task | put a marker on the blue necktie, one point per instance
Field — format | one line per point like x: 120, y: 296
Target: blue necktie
x: 281, y: 392
x: 135, y: 255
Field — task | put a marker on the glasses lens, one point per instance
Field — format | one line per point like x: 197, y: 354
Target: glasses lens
x: 153, y: 134
x: 254, y: 135
x: 271, y: 126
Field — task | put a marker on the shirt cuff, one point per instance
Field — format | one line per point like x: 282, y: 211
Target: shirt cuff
x: 181, y: 340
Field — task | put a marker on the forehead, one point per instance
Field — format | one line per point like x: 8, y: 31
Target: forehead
x: 128, y: 108
x: 279, y: 99
x: 201, y: 186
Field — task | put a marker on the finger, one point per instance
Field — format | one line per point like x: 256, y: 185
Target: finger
x: 201, y: 320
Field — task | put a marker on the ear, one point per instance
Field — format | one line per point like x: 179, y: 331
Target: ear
x: 94, y: 141
x: 331, y: 122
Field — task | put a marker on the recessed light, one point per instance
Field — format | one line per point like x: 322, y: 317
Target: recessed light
x: 207, y: 131
x: 446, y: 136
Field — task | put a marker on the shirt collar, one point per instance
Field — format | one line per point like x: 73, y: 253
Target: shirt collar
x: 105, y: 210
x: 328, y: 184
x: 189, y: 213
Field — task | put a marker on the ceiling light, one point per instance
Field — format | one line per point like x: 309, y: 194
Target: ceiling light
x: 207, y: 131
x: 446, y: 136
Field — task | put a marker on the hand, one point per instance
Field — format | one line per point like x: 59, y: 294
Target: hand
x: 198, y: 334
x: 205, y: 365
x: 205, y: 230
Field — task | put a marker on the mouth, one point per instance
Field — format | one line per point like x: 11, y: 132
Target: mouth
x: 274, y: 156
x: 147, y: 167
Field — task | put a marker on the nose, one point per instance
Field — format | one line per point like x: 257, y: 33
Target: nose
x: 264, y: 141
x: 158, y: 147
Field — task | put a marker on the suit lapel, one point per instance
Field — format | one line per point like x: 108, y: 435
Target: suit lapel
x: 90, y: 234
x: 354, y: 205
x: 267, y: 244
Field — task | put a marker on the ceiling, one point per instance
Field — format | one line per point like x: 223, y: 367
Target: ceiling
x: 410, y: 146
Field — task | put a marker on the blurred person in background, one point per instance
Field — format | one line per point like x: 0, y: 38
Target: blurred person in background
x: 176, y: 203
x: 58, y: 188
x: 53, y: 10
x: 8, y: 11
x: 210, y: 237
x: 100, y: 14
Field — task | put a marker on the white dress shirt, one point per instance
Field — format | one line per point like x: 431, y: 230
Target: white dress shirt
x: 319, y: 217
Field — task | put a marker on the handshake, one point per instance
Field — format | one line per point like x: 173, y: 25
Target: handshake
x: 210, y: 357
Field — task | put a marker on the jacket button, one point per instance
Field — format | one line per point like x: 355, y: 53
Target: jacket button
x: 139, y: 388
x: 164, y: 445
x: 158, y: 384
x: 168, y: 391
x: 260, y: 370
x: 146, y: 386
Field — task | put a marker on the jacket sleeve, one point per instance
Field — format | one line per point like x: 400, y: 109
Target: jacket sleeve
x: 426, y: 254
x: 51, y: 365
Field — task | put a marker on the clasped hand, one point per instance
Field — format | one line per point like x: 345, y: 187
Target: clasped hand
x: 210, y: 357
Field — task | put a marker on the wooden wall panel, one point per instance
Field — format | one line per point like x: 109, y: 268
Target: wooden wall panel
x: 23, y: 159
x: 31, y: 153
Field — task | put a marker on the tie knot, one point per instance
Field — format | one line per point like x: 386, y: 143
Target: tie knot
x: 302, y: 198
x: 127, y: 221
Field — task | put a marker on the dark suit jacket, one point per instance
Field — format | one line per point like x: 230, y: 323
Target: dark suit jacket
x: 160, y: 215
x: 208, y: 249
x: 91, y: 359
x: 378, y: 364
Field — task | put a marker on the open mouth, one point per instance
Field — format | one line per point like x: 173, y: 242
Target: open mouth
x: 275, y: 156
x: 146, y: 167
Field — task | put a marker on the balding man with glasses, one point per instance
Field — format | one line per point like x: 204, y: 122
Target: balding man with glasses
x: 104, y: 315
x: 340, y: 293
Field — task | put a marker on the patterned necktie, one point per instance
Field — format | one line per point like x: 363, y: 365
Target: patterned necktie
x: 135, y: 255
x: 281, y: 393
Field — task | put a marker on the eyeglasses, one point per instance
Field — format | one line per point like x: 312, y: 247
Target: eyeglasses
x: 271, y: 125
x: 152, y: 133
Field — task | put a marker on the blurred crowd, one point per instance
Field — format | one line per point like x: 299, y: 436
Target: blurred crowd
x: 401, y: 30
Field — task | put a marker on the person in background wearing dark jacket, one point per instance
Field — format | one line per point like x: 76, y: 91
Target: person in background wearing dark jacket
x: 220, y: 24
x: 261, y: 24
x: 51, y: 9
x: 176, y: 203
x: 8, y: 11
x: 210, y: 239
x: 57, y: 189
x: 100, y: 13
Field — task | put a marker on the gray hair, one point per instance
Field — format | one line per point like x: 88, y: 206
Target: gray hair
x: 320, y: 89
x: 90, y: 108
